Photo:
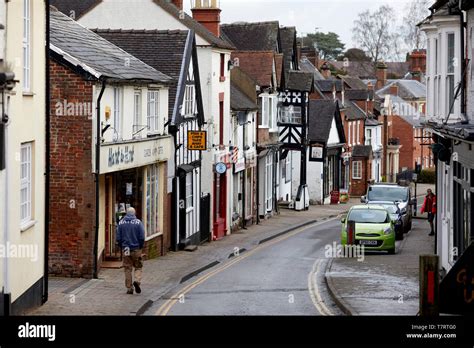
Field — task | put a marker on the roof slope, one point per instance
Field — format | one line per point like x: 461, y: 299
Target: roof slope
x: 101, y: 58
x: 364, y: 151
x: 307, y: 66
x: 322, y: 112
x: 300, y: 81
x: 239, y: 101
x: 258, y: 65
x: 407, y: 89
x: 81, y: 7
x: 161, y: 49
x: 260, y: 36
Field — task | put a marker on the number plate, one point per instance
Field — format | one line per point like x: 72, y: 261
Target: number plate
x: 368, y: 242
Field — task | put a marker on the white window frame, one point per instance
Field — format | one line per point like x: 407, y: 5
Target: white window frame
x: 137, y: 111
x: 273, y: 113
x: 26, y: 183
x: 263, y: 121
x: 118, y: 97
x: 152, y: 206
x: 269, y: 183
x: 368, y: 136
x: 189, y: 102
x: 26, y: 45
x: 450, y: 72
x: 153, y: 111
x: 349, y: 126
x: 357, y: 170
x: 189, y: 192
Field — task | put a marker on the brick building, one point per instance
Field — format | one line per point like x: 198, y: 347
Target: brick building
x: 109, y: 149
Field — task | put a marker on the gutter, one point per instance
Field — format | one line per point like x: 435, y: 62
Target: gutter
x: 47, y: 161
x: 97, y: 175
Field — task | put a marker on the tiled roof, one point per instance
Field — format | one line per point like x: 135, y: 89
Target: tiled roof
x: 258, y: 65
x: 407, y: 89
x: 101, y: 58
x: 364, y: 151
x: 81, y: 7
x: 353, y: 111
x: 300, y: 81
x: 366, y: 70
x: 239, y: 101
x: 77, y: 8
x: 261, y: 36
x: 372, y: 122
x: 161, y: 49
x: 353, y: 82
x: 358, y: 94
x: 321, y: 114
x: 287, y: 41
x: 328, y: 85
x: 307, y: 66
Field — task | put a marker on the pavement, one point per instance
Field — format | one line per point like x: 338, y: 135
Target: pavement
x: 383, y: 284
x: 161, y: 276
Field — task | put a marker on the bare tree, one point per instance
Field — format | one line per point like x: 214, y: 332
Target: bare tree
x: 415, y: 12
x: 374, y: 32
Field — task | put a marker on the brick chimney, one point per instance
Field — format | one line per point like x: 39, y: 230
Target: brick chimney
x: 381, y: 75
x: 394, y: 90
x: 370, y: 97
x: 325, y: 71
x: 417, y: 62
x: 208, y: 14
x: 177, y: 3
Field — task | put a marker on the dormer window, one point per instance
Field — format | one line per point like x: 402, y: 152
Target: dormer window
x: 189, y: 101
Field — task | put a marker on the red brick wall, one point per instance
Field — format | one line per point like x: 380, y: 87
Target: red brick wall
x: 359, y: 186
x: 72, y: 188
x: 405, y: 132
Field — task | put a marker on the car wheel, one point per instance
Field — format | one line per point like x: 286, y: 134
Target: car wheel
x: 391, y: 251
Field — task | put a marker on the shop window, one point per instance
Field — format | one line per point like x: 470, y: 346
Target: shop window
x: 269, y: 182
x: 152, y: 199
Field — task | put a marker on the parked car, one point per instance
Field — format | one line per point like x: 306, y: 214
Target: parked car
x: 395, y: 214
x: 401, y: 195
x: 374, y: 228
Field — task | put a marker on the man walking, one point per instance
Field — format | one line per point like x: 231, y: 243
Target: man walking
x: 429, y: 206
x: 131, y: 237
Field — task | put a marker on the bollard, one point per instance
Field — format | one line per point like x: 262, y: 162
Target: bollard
x: 429, y: 285
x: 351, y: 232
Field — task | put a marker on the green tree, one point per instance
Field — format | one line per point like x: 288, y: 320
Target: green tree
x: 329, y: 45
x: 355, y: 55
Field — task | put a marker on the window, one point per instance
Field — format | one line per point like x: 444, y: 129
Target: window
x: 222, y: 76
x: 189, y: 101
x: 357, y: 170
x: 358, y: 132
x: 153, y: 111
x: 288, y: 168
x: 264, y: 112
x: 118, y: 110
x: 368, y: 137
x: 189, y: 191
x: 349, y: 138
x: 269, y: 183
x: 26, y: 45
x: 290, y: 114
x: 152, y: 199
x: 221, y: 123
x: 450, y: 73
x: 137, y: 111
x: 26, y: 178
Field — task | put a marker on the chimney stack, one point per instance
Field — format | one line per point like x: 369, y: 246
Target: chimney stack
x: 394, y: 89
x: 325, y: 71
x: 208, y: 14
x: 381, y: 75
x: 370, y: 97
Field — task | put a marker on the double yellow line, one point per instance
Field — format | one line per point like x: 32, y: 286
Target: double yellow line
x: 166, y: 307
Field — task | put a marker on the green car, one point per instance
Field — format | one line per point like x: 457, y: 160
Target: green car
x: 374, y: 228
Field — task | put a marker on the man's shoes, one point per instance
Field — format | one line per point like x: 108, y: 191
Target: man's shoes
x: 137, y: 287
x: 130, y: 291
x: 431, y: 233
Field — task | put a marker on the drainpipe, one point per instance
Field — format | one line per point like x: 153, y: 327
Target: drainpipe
x: 47, y: 163
x: 97, y: 176
x: 244, y: 181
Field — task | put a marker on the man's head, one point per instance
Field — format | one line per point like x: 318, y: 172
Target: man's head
x: 131, y: 211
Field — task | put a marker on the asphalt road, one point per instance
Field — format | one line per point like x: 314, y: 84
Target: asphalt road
x: 284, y: 276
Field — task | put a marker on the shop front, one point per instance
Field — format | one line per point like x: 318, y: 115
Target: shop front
x: 134, y: 175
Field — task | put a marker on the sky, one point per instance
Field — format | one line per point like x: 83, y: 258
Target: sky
x: 307, y: 15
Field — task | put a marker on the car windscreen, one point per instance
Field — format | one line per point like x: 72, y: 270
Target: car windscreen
x: 392, y: 208
x: 369, y: 216
x: 391, y: 194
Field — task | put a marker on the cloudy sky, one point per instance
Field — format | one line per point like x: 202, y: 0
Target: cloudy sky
x: 307, y: 15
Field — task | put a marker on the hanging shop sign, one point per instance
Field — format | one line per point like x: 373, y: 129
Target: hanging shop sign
x: 197, y: 140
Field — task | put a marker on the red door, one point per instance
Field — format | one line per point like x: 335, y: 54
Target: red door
x: 220, y: 206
